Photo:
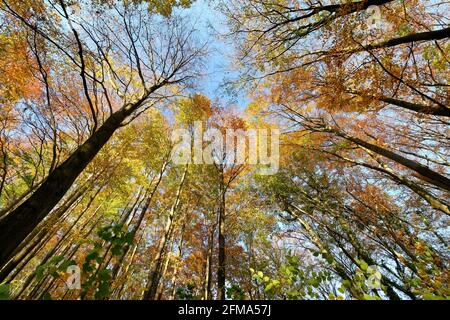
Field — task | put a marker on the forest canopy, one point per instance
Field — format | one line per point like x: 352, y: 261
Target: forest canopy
x: 224, y: 149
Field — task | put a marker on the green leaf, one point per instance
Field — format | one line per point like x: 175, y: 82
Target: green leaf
x: 46, y: 296
x: 368, y: 297
x: 66, y: 263
x: 430, y: 296
x: 346, y: 283
x: 269, y: 287
x: 129, y: 238
x: 5, y: 291
x: 40, y: 272
x: 104, y: 275
x: 363, y: 265
x: 116, y: 250
x: 103, y: 290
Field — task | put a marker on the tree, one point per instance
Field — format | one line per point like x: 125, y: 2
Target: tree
x: 114, y: 163
x: 169, y: 63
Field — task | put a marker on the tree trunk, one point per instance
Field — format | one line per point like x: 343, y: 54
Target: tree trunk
x: 436, y: 111
x: 155, y: 274
x: 208, y: 265
x: 177, y: 262
x: 41, y: 234
x: 137, y: 226
x: 16, y: 225
x: 221, y: 263
x: 425, y: 173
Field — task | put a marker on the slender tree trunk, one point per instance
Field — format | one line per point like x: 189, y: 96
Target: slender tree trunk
x: 163, y: 275
x: 53, y: 251
x: 408, y: 39
x: 125, y: 220
x: 42, y: 285
x: 137, y: 226
x: 415, y: 37
x: 155, y: 274
x: 323, y: 247
x: 221, y: 272
x: 21, y: 259
x: 53, y: 217
x: 208, y: 265
x: 41, y: 234
x: 119, y: 290
x: 177, y: 261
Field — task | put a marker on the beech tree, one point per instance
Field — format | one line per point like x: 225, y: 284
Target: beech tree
x: 112, y: 94
x: 122, y: 174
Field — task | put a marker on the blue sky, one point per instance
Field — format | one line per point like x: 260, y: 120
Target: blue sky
x: 210, y: 24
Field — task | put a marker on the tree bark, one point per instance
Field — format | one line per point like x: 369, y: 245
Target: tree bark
x: 425, y: 173
x: 221, y: 272
x: 435, y: 111
x: 137, y: 226
x: 415, y: 37
x: 155, y: 274
x: 15, y: 226
x: 208, y: 265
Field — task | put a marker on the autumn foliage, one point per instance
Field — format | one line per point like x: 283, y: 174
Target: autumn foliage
x: 91, y: 93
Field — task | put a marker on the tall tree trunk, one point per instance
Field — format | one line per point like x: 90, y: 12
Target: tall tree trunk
x: 208, y: 264
x: 137, y: 226
x: 41, y: 234
x: 162, y: 286
x: 125, y: 220
x: 27, y: 251
x: 221, y: 275
x: 323, y: 247
x: 118, y: 292
x: 53, y: 251
x: 425, y: 173
x: 52, y: 218
x: 16, y: 225
x: 155, y: 273
x: 177, y: 261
